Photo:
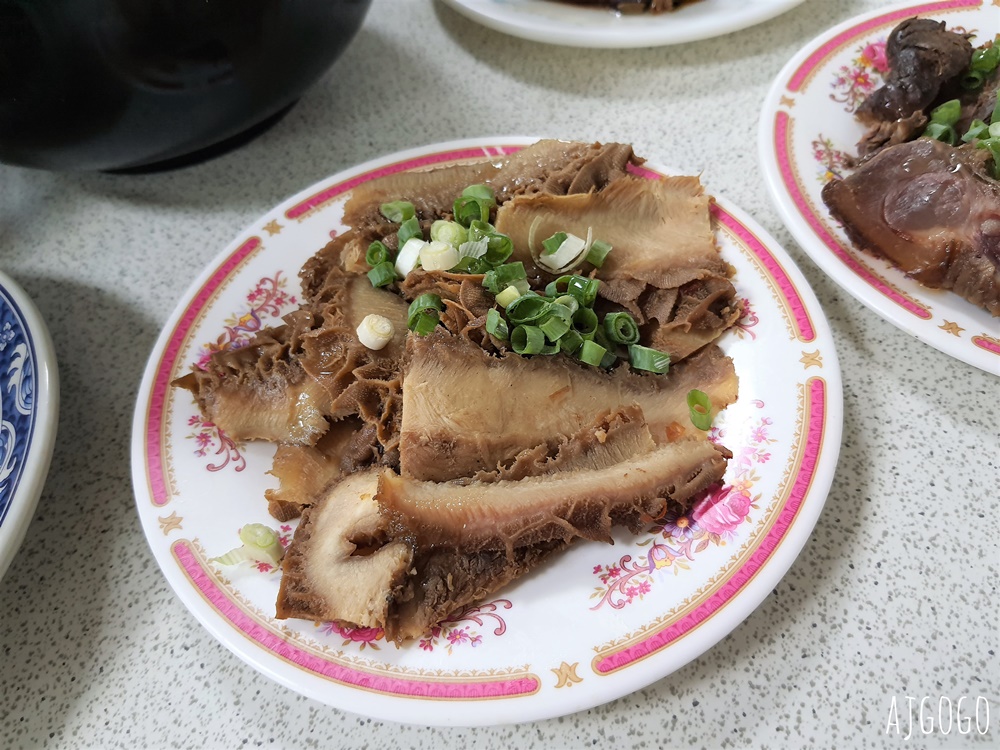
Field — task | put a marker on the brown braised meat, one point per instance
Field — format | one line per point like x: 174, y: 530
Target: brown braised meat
x: 931, y: 210
x: 923, y: 57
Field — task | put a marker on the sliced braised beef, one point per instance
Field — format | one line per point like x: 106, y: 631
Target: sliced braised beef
x: 287, y: 383
x: 931, y: 210
x: 923, y: 57
x: 465, y: 411
x: 548, y: 166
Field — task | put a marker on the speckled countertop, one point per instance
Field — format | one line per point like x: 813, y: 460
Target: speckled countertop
x: 894, y: 595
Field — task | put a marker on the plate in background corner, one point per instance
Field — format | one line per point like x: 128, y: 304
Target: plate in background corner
x: 808, y: 129
x: 562, y: 23
x: 29, y: 413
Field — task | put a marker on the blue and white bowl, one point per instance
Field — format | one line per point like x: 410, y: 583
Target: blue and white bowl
x: 29, y: 409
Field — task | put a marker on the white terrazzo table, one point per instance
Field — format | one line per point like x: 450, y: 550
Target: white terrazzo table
x: 895, y: 595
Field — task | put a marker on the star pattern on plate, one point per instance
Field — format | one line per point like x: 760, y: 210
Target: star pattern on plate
x: 787, y: 101
x: 953, y: 328
x: 170, y: 523
x: 566, y: 674
x: 273, y: 227
x: 812, y: 359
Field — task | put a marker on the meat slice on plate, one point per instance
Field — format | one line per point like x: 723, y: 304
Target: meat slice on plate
x: 931, y: 210
x: 288, y: 382
x: 465, y: 411
x: 664, y: 268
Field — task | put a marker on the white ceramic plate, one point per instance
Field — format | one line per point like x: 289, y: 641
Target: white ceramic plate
x: 807, y: 125
x: 29, y: 412
x: 558, y: 22
x: 597, y: 623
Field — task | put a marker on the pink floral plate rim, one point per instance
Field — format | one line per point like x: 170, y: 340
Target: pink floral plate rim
x: 629, y: 664
x: 814, y: 96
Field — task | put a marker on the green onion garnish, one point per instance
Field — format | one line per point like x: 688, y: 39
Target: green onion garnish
x: 527, y: 308
x: 377, y: 253
x: 553, y: 243
x: 977, y: 129
x: 650, y: 360
x: 599, y: 250
x: 468, y: 264
x: 985, y: 60
x: 468, y: 209
x: 508, y: 295
x: 481, y: 192
x: 568, y: 301
x: 947, y: 113
x: 995, y: 115
x: 584, y: 289
x: 499, y: 248
x: 480, y: 230
x: 423, y: 314
x: 409, y: 229
x: 700, y: 408
x: 585, y: 322
x: 382, y: 274
x: 972, y: 79
x: 397, y: 211
x: 570, y: 341
x: 591, y: 353
x: 527, y: 339
x: 621, y: 328
x: 552, y: 288
x: 941, y: 132
x: 449, y: 231
x: 993, y: 145
x: 994, y: 130
x: 554, y: 327
x: 495, y: 324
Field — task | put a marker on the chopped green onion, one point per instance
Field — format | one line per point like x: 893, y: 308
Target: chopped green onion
x: 468, y: 264
x: 408, y: 256
x: 495, y: 324
x: 599, y: 250
x: 610, y: 357
x: 375, y: 331
x: 993, y: 145
x: 972, y: 79
x: 570, y: 341
x: 995, y: 115
x: 260, y: 543
x: 554, y: 327
x: 995, y: 130
x: 585, y: 322
x: 591, y: 353
x: 438, y: 256
x: 552, y: 348
x: 508, y: 295
x: 468, y: 208
x: 947, y: 113
x: 397, y: 211
x: 700, y: 408
x: 451, y: 232
x: 977, y: 129
x: 499, y: 248
x: 382, y: 274
x: 480, y: 230
x: 941, y: 132
x: 584, y: 289
x: 527, y: 339
x: 985, y: 60
x: 552, y: 288
x: 553, y: 243
x: 481, y: 192
x: 568, y: 301
x: 422, y: 315
x: 472, y: 249
x: 503, y: 276
x: 650, y: 360
x: 621, y: 328
x: 527, y: 308
x: 409, y: 229
x: 377, y: 253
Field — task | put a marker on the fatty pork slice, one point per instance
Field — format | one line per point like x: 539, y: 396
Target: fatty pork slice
x: 548, y: 166
x: 930, y: 209
x: 664, y: 268
x: 288, y: 381
x: 465, y: 411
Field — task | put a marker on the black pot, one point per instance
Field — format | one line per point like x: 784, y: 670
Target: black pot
x: 124, y: 84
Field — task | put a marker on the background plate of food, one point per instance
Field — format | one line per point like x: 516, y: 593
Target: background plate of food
x: 934, y: 204
x: 586, y: 624
x: 628, y: 23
